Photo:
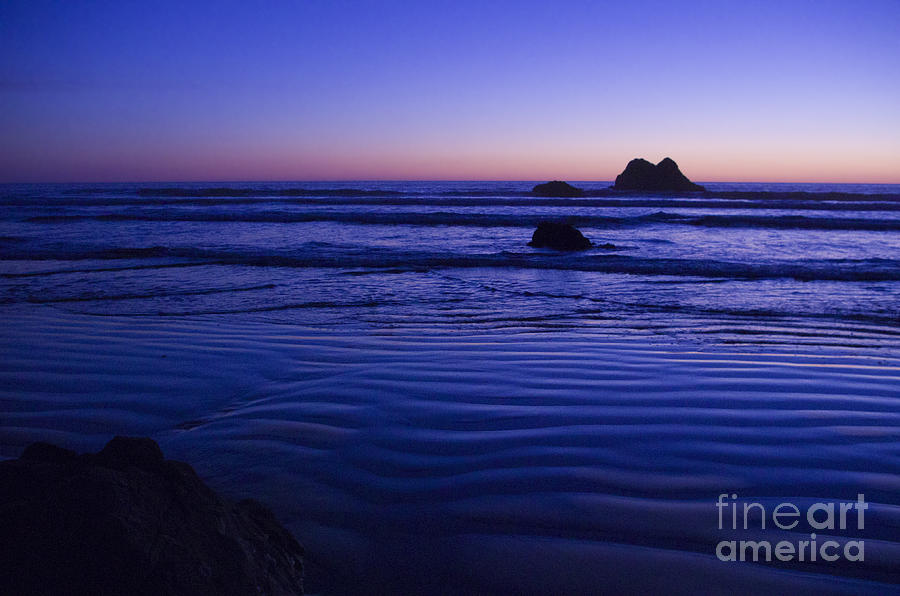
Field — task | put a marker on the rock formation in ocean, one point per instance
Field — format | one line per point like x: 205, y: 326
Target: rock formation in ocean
x: 640, y: 174
x: 558, y: 236
x: 557, y: 188
x: 127, y: 521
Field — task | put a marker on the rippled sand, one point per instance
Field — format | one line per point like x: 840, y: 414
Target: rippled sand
x: 534, y: 460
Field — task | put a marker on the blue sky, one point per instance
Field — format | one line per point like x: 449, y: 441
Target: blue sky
x: 97, y: 91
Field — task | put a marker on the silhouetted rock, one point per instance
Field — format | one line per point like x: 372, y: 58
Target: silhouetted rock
x: 557, y: 188
x: 128, y: 521
x: 640, y: 174
x: 558, y: 236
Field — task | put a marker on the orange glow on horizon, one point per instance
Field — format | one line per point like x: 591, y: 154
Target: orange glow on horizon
x: 532, y: 161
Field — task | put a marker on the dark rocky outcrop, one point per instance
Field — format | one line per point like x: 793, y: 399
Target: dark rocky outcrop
x: 640, y: 174
x: 558, y: 236
x: 127, y: 521
x: 557, y: 188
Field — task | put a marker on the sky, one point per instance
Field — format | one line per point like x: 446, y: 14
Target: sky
x: 94, y: 91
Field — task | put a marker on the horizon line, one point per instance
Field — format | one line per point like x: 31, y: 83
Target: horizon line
x: 360, y: 180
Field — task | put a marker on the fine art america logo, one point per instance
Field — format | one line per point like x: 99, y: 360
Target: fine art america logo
x: 734, y: 515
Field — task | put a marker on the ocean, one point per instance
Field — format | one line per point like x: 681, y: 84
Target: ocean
x: 432, y: 406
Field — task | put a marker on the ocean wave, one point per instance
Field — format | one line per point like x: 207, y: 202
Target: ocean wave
x: 447, y: 218
x: 794, y: 222
x: 67, y: 271
x: 874, y: 269
x: 467, y: 200
x: 482, y: 192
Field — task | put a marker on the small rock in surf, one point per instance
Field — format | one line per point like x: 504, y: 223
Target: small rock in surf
x: 558, y: 236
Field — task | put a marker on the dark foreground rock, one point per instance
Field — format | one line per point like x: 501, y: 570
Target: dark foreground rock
x: 558, y: 236
x: 127, y: 521
x: 640, y: 174
x: 557, y: 188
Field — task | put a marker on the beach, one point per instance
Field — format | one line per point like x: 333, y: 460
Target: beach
x: 424, y: 400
